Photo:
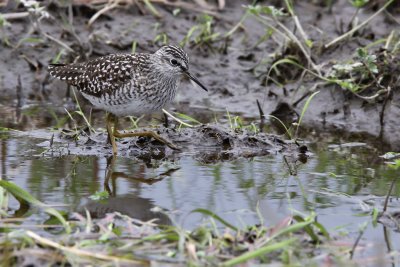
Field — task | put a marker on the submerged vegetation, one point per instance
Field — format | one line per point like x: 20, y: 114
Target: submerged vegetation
x: 119, y: 239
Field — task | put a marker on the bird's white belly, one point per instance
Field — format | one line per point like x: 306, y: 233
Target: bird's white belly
x: 133, y: 107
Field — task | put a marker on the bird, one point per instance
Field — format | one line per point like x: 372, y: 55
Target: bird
x: 129, y: 85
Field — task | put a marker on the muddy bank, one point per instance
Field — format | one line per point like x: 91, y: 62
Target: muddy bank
x: 234, y: 68
x: 206, y: 143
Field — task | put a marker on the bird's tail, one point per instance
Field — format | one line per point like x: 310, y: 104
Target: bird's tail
x: 72, y: 73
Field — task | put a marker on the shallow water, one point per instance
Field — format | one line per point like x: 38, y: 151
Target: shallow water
x: 338, y: 182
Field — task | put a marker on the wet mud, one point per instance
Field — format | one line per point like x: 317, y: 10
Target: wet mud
x: 221, y: 166
x: 207, y: 143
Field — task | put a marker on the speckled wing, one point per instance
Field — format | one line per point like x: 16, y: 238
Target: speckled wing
x: 103, y: 75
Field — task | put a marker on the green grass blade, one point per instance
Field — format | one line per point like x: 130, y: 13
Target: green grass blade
x: 309, y: 230
x: 303, y: 111
x: 80, y: 112
x: 215, y: 216
x: 20, y: 194
x: 61, y: 218
x: 133, y: 48
x: 229, y: 118
x: 375, y: 215
x: 187, y: 117
x: 170, y: 236
x: 176, y: 119
x: 258, y: 252
x: 56, y: 59
x: 294, y: 63
x: 152, y: 9
x: 239, y: 24
x: 292, y: 228
x: 29, y: 40
x: 186, y: 39
x: 284, y: 126
x: 289, y: 6
x: 322, y: 229
x: 283, y: 61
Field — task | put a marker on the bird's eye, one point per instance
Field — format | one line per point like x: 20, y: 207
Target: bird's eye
x: 174, y: 62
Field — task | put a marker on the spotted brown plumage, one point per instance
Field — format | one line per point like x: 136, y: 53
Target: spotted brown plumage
x: 102, y: 75
x: 129, y: 84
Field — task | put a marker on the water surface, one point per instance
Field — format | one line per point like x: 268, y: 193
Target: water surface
x: 339, y: 182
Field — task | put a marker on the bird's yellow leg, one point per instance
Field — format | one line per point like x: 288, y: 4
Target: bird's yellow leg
x: 110, y: 120
x: 145, y: 134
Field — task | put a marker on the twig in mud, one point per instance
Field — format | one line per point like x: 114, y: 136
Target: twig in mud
x: 166, y: 121
x: 185, y: 5
x: 287, y: 34
x: 349, y: 33
x: 152, y: 9
x: 302, y: 98
x: 51, y: 141
x: 79, y: 252
x: 19, y: 92
x: 387, y: 13
x: 17, y: 15
x: 301, y: 79
x: 309, y: 92
x: 262, y: 116
x: 109, y: 6
x: 291, y: 171
x: 57, y: 41
x: 353, y: 249
x: 48, y: 36
x: 176, y: 119
x: 369, y: 98
x: 36, y: 15
x: 85, y: 48
x: 19, y: 99
x: 297, y: 22
x: 388, y: 194
x: 293, y: 37
x: 382, y: 113
x: 388, y: 243
x: 207, y: 8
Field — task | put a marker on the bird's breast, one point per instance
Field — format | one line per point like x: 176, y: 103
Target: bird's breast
x: 137, y: 99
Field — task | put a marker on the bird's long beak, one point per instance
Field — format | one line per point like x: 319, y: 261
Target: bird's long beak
x: 195, y: 80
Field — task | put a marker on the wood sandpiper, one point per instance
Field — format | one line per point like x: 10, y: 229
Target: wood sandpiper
x: 129, y: 84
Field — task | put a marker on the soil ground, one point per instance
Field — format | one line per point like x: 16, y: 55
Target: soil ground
x: 233, y: 68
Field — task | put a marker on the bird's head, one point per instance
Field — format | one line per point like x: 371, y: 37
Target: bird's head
x: 174, y: 61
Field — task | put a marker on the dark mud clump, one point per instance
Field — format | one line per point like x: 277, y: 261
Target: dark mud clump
x: 208, y: 143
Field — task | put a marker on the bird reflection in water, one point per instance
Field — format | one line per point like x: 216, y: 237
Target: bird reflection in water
x: 134, y: 206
